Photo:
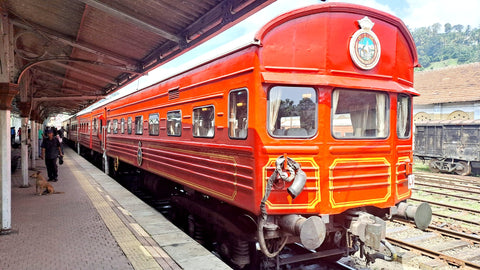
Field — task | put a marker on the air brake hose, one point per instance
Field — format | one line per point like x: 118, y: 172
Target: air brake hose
x: 263, y: 221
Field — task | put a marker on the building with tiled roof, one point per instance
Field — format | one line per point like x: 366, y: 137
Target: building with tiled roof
x: 448, y: 94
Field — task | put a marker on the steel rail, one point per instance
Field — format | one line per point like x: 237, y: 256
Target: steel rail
x: 457, y: 182
x: 446, y: 194
x: 457, y: 219
x: 449, y: 188
x: 446, y: 232
x: 447, y: 205
x: 428, y: 252
x: 473, y: 180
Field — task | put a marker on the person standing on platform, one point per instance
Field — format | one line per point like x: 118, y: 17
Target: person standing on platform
x: 12, y: 135
x: 50, y: 151
x: 40, y: 139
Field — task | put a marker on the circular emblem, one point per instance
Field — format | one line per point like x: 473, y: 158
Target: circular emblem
x: 364, y: 46
x: 139, y: 154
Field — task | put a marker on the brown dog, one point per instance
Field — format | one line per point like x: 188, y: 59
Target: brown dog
x: 42, y: 185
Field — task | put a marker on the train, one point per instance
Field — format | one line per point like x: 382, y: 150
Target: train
x: 300, y: 139
x: 449, y: 146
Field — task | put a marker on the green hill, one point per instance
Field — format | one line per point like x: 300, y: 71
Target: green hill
x: 439, y: 46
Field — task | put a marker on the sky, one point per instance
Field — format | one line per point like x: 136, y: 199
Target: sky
x: 414, y: 13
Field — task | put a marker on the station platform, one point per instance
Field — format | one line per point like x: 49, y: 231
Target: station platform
x: 94, y: 224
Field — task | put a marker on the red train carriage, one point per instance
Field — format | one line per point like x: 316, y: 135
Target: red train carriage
x: 314, y: 117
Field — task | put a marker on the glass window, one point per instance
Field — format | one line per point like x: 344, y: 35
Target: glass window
x: 139, y: 124
x: 403, y: 116
x: 153, y: 124
x: 122, y: 125
x: 95, y: 125
x: 359, y: 114
x: 129, y: 125
x: 292, y: 111
x: 204, y: 122
x: 115, y: 126
x: 238, y: 114
x: 100, y: 127
x: 174, y: 123
x: 109, y: 127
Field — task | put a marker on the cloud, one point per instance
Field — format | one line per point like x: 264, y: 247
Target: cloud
x: 428, y: 12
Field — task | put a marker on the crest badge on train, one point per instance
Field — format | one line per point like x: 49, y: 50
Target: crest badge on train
x: 364, y: 45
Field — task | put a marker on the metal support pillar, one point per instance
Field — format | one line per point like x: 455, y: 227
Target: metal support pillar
x: 34, y: 144
x: 24, y: 150
x: 7, y: 92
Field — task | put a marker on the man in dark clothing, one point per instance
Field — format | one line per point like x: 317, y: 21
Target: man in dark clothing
x: 50, y: 151
x: 12, y: 134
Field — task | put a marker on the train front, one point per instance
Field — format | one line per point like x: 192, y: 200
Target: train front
x: 337, y: 152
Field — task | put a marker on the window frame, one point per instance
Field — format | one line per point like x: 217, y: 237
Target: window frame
x: 115, y: 126
x: 193, y: 119
x: 129, y: 125
x: 140, y: 132
x: 122, y: 125
x: 181, y: 125
x: 410, y: 117
x: 158, y: 125
x: 316, y: 121
x: 387, y: 114
x: 228, y: 112
x: 109, y: 127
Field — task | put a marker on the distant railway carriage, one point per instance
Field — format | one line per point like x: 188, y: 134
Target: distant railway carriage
x: 302, y: 136
x: 449, y: 146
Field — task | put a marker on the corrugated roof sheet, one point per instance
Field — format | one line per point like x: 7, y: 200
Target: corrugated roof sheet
x: 452, y: 84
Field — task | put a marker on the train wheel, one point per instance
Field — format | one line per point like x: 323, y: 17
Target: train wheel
x: 432, y: 167
x: 463, y: 168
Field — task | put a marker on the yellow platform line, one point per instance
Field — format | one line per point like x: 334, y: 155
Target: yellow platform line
x: 133, y: 249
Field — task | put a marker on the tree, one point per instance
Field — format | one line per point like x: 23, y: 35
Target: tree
x: 448, y: 28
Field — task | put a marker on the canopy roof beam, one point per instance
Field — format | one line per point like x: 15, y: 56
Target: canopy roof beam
x: 62, y: 98
x: 101, y: 52
x: 58, y: 76
x: 89, y: 73
x: 126, y: 17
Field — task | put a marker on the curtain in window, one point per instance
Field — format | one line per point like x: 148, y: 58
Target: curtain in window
x: 335, y: 96
x: 233, y: 123
x: 381, y: 125
x: 275, y: 100
x: 402, y: 113
x: 359, y: 116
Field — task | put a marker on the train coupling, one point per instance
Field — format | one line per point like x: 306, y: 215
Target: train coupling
x: 421, y: 214
x: 368, y: 234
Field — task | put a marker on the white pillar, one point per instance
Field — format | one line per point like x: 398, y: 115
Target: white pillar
x: 34, y: 142
x: 5, y: 171
x: 24, y: 149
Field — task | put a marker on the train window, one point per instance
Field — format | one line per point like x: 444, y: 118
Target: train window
x: 359, y: 114
x: 204, y: 122
x: 115, y: 126
x: 129, y: 125
x: 292, y: 111
x: 109, y: 127
x: 101, y: 126
x: 153, y: 126
x: 139, y: 124
x: 122, y: 126
x: 174, y: 123
x: 94, y: 124
x: 403, y: 116
x: 238, y: 114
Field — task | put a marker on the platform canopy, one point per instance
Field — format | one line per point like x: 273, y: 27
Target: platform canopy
x: 71, y: 53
